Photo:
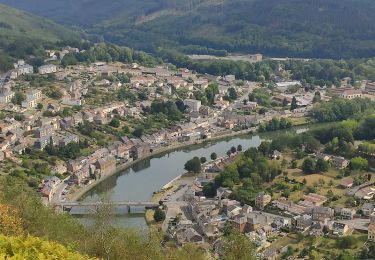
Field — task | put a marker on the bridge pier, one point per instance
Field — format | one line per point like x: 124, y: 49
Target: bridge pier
x: 128, y: 209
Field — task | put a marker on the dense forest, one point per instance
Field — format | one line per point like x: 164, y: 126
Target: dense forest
x: 329, y: 29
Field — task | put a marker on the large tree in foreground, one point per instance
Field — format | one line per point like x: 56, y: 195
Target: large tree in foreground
x: 238, y: 247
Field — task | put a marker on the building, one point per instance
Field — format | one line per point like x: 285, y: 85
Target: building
x: 29, y: 103
x: 49, y: 186
x: 302, y: 223
x: 262, y: 200
x: 347, y: 183
x: 339, y: 162
x: 6, y: 94
x: 370, y: 88
x: 352, y: 93
x: 321, y: 213
x: 34, y: 94
x: 223, y: 193
x: 347, y: 213
x: 24, y: 70
x: 367, y: 209
x: 68, y: 139
x: 44, y: 131
x: 106, y: 165
x: 193, y: 104
x: 340, y: 229
x: 365, y: 193
x: 42, y: 142
x: 140, y: 150
x: 47, y: 69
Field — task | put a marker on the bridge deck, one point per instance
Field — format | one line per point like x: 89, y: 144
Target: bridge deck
x: 118, y: 204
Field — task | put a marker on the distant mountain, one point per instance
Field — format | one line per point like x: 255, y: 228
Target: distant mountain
x: 295, y: 28
x: 16, y: 24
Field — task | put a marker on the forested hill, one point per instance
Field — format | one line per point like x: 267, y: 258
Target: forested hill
x: 16, y: 25
x: 294, y: 28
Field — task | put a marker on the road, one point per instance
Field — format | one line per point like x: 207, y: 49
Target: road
x: 174, y: 206
x: 56, y: 198
x: 353, y: 190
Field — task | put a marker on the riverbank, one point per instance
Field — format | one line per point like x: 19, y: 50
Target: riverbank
x: 75, y: 195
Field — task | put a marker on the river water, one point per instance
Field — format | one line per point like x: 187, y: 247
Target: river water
x: 140, y: 181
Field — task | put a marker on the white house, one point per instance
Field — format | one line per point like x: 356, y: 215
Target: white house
x: 47, y: 69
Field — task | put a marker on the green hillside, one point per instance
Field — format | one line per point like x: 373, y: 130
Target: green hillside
x: 294, y: 28
x: 15, y: 24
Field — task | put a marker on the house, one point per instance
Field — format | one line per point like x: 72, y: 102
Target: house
x: 106, y: 165
x: 321, y: 213
x: 367, y: 209
x: 281, y: 222
x: 49, y: 186
x: 239, y: 223
x: 6, y: 95
x: 29, y: 103
x: 276, y: 155
x: 42, y: 142
x: 223, y: 193
x: 193, y: 104
x: 371, y: 228
x: 119, y: 150
x: 323, y: 156
x: 24, y: 70
x: 352, y: 93
x: 347, y: 213
x: 68, y: 139
x: 340, y: 229
x: 47, y: 121
x: 256, y: 221
x: 340, y: 162
x: 347, y: 183
x: 365, y: 193
x: 314, y: 199
x: 44, y: 131
x: 47, y: 69
x: 302, y: 222
x: 262, y: 200
x: 370, y: 88
x: 34, y: 94
x: 140, y: 150
x: 189, y: 236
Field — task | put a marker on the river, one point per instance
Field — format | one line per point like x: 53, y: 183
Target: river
x: 140, y: 181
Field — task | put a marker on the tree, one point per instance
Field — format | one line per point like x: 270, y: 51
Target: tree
x: 308, y: 166
x: 39, y: 106
x: 18, y: 98
x: 203, y: 160
x: 359, y: 163
x: 233, y: 149
x: 238, y: 247
x: 265, y: 148
x: 229, y: 153
x: 213, y: 156
x: 138, y: 132
x: 159, y: 215
x: 114, y: 123
x: 193, y: 165
x: 346, y: 242
x: 321, y: 165
x: 232, y: 94
x: 293, y: 105
x: 239, y: 148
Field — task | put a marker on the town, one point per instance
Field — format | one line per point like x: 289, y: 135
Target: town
x: 76, y: 125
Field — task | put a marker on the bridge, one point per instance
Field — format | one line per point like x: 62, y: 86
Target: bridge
x: 82, y: 208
